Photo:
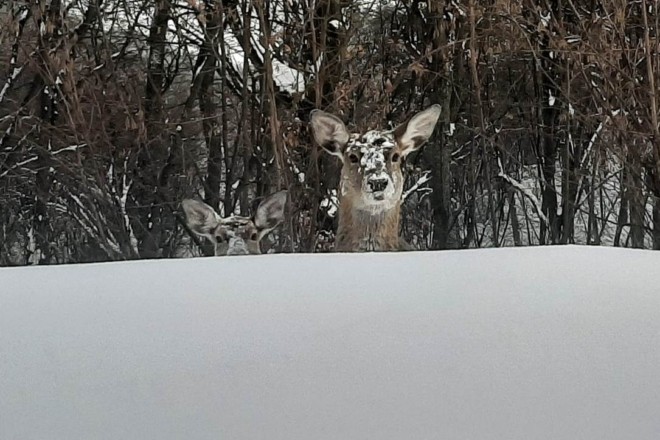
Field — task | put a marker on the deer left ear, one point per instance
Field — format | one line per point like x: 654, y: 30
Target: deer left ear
x: 201, y: 218
x: 270, y: 212
x: 413, y: 134
x: 330, y: 132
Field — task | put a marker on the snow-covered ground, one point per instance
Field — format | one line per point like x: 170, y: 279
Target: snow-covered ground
x: 526, y: 343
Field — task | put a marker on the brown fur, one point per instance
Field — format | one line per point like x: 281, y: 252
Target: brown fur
x: 363, y: 231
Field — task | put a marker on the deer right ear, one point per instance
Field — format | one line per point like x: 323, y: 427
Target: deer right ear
x: 329, y: 132
x: 413, y: 134
x: 270, y: 212
x: 201, y: 218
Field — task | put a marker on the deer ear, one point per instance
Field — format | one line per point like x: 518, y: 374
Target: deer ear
x: 201, y: 218
x: 413, y: 134
x: 329, y: 132
x: 270, y: 212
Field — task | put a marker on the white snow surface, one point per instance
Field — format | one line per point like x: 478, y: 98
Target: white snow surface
x: 515, y: 343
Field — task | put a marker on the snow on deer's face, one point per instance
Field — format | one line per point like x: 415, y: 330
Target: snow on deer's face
x: 371, y: 175
x: 235, y: 235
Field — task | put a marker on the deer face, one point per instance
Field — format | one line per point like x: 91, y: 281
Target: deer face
x: 235, y: 235
x: 371, y: 174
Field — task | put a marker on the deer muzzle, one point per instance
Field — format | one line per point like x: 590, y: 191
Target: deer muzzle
x: 237, y: 246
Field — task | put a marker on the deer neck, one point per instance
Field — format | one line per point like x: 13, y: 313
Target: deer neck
x: 364, y: 230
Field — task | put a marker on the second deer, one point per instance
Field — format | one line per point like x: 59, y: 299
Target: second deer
x: 371, y: 182
x: 236, y: 235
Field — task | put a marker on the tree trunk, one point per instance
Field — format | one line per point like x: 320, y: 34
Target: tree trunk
x: 439, y: 155
x: 152, y: 155
x: 50, y: 27
x: 548, y: 146
x: 208, y: 108
x: 513, y: 212
x: 636, y: 202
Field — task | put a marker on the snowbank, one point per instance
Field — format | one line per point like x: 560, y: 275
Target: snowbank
x: 528, y: 343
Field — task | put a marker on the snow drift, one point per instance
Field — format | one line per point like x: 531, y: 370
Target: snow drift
x: 533, y: 343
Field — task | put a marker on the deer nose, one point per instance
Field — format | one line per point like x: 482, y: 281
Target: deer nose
x: 378, y: 184
x: 237, y: 246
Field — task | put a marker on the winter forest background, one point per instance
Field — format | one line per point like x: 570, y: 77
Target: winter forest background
x: 113, y: 111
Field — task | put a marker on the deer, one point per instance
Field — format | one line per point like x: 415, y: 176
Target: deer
x: 236, y: 235
x: 371, y: 177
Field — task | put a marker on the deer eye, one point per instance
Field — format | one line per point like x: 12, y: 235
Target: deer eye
x: 353, y: 158
x: 396, y: 157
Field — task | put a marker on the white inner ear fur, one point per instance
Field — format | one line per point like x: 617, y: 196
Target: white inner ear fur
x: 419, y: 129
x: 270, y: 212
x: 329, y: 132
x: 201, y: 218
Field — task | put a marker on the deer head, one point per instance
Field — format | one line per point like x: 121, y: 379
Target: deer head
x: 371, y: 182
x: 236, y: 235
